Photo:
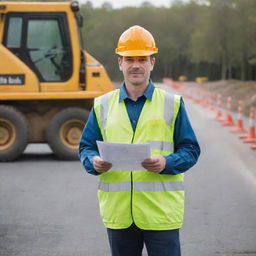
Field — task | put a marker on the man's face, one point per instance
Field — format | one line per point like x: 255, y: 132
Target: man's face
x: 136, y: 70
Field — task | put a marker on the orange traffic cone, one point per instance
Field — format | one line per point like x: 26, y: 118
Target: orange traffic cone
x: 240, y: 124
x: 208, y: 102
x: 218, y: 115
x: 228, y: 121
x: 197, y: 96
x: 189, y: 93
x: 251, y: 137
x: 203, y: 102
x: 167, y: 81
x: 211, y: 101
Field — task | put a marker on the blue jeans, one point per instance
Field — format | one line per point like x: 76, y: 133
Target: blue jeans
x: 130, y: 241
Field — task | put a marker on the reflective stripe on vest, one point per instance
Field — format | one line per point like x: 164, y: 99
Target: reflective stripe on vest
x: 104, y: 113
x: 141, y: 186
x: 168, y: 108
x: 114, y: 186
x: 161, y: 145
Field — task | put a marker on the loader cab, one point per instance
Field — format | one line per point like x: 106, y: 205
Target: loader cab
x: 40, y: 48
x: 42, y: 42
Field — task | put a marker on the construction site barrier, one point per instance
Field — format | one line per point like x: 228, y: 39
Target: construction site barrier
x: 214, y: 102
x: 251, y: 136
x: 218, y: 115
x: 228, y: 120
x: 240, y: 123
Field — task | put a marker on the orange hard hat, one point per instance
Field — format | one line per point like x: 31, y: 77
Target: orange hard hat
x: 136, y: 41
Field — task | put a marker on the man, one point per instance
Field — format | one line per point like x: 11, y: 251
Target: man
x: 141, y: 207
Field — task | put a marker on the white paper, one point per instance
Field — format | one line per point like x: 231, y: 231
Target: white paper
x: 124, y: 157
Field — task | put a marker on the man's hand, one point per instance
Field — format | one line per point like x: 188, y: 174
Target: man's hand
x: 101, y: 166
x: 154, y: 164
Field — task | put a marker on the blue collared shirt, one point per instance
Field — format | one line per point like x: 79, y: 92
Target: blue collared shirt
x: 186, y: 147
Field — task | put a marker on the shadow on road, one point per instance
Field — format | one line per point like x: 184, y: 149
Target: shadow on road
x: 37, y: 157
x: 39, y: 152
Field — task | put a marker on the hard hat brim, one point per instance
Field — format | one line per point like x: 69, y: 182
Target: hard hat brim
x: 133, y: 53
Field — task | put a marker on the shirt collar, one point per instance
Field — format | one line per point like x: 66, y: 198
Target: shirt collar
x: 148, y: 92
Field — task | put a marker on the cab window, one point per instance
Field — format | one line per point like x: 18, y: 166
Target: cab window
x: 14, y: 32
x: 42, y: 42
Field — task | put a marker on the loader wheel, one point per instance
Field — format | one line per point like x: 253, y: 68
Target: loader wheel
x: 64, y: 131
x: 13, y: 133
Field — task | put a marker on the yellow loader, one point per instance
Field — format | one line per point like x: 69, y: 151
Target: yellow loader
x: 47, y: 82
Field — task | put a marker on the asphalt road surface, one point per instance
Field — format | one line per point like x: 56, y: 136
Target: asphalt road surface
x: 49, y: 207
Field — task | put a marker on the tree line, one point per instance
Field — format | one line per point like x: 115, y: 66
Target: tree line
x: 212, y: 38
x: 199, y: 38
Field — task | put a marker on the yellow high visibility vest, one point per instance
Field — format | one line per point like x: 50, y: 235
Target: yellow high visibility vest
x: 152, y: 201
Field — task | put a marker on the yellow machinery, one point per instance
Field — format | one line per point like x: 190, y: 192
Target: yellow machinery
x: 47, y: 82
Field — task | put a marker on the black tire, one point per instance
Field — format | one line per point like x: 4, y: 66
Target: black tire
x: 64, y: 131
x: 14, y: 133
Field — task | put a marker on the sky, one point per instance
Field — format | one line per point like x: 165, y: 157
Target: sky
x: 124, y: 3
